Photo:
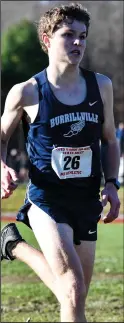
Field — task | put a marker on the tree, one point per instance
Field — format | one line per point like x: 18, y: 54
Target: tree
x: 22, y: 55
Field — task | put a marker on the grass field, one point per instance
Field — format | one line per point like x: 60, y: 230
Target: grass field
x: 23, y: 295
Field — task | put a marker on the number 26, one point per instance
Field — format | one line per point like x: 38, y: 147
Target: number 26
x: 71, y: 162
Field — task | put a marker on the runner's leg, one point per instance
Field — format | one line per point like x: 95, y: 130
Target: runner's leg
x: 86, y: 253
x: 56, y: 242
x: 36, y: 261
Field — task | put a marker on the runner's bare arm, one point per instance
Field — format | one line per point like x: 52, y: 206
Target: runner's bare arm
x: 109, y: 149
x: 109, y: 144
x: 12, y: 114
x: 21, y: 97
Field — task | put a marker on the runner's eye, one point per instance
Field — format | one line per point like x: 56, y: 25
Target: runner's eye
x: 68, y: 34
x: 83, y: 37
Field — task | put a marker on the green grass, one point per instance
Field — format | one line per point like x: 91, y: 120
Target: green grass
x: 16, y: 200
x: 23, y: 295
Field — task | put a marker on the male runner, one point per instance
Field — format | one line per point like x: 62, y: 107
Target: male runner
x: 66, y: 111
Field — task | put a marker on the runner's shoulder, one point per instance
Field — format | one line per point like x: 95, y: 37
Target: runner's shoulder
x: 105, y: 86
x: 103, y: 80
x: 24, y: 91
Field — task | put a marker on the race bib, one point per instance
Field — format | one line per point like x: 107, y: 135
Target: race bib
x: 68, y: 162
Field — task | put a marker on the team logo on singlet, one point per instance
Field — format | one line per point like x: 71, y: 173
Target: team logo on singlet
x: 78, y: 120
x: 75, y: 129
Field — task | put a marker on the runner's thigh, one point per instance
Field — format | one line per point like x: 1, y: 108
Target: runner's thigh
x: 55, y: 241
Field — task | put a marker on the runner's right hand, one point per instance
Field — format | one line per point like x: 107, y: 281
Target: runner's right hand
x: 8, y: 180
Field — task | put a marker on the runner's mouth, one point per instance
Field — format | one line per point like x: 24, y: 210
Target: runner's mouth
x: 75, y: 52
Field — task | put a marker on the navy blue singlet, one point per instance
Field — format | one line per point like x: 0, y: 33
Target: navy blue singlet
x: 59, y: 125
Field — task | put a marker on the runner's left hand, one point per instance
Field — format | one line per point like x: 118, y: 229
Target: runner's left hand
x: 109, y: 194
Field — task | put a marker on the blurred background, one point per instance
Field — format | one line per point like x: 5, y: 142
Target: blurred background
x: 22, y: 57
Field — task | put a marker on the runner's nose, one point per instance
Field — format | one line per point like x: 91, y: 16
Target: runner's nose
x: 77, y: 41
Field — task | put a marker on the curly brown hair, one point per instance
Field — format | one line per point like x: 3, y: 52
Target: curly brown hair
x: 50, y: 21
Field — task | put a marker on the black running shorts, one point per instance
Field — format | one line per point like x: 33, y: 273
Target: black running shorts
x: 82, y: 214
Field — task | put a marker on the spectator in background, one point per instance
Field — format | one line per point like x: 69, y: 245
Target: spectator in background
x: 122, y: 142
x: 120, y: 136
x: 19, y: 162
x: 23, y: 167
x: 12, y: 159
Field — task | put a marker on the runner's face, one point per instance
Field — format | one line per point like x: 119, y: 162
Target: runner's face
x: 68, y: 43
